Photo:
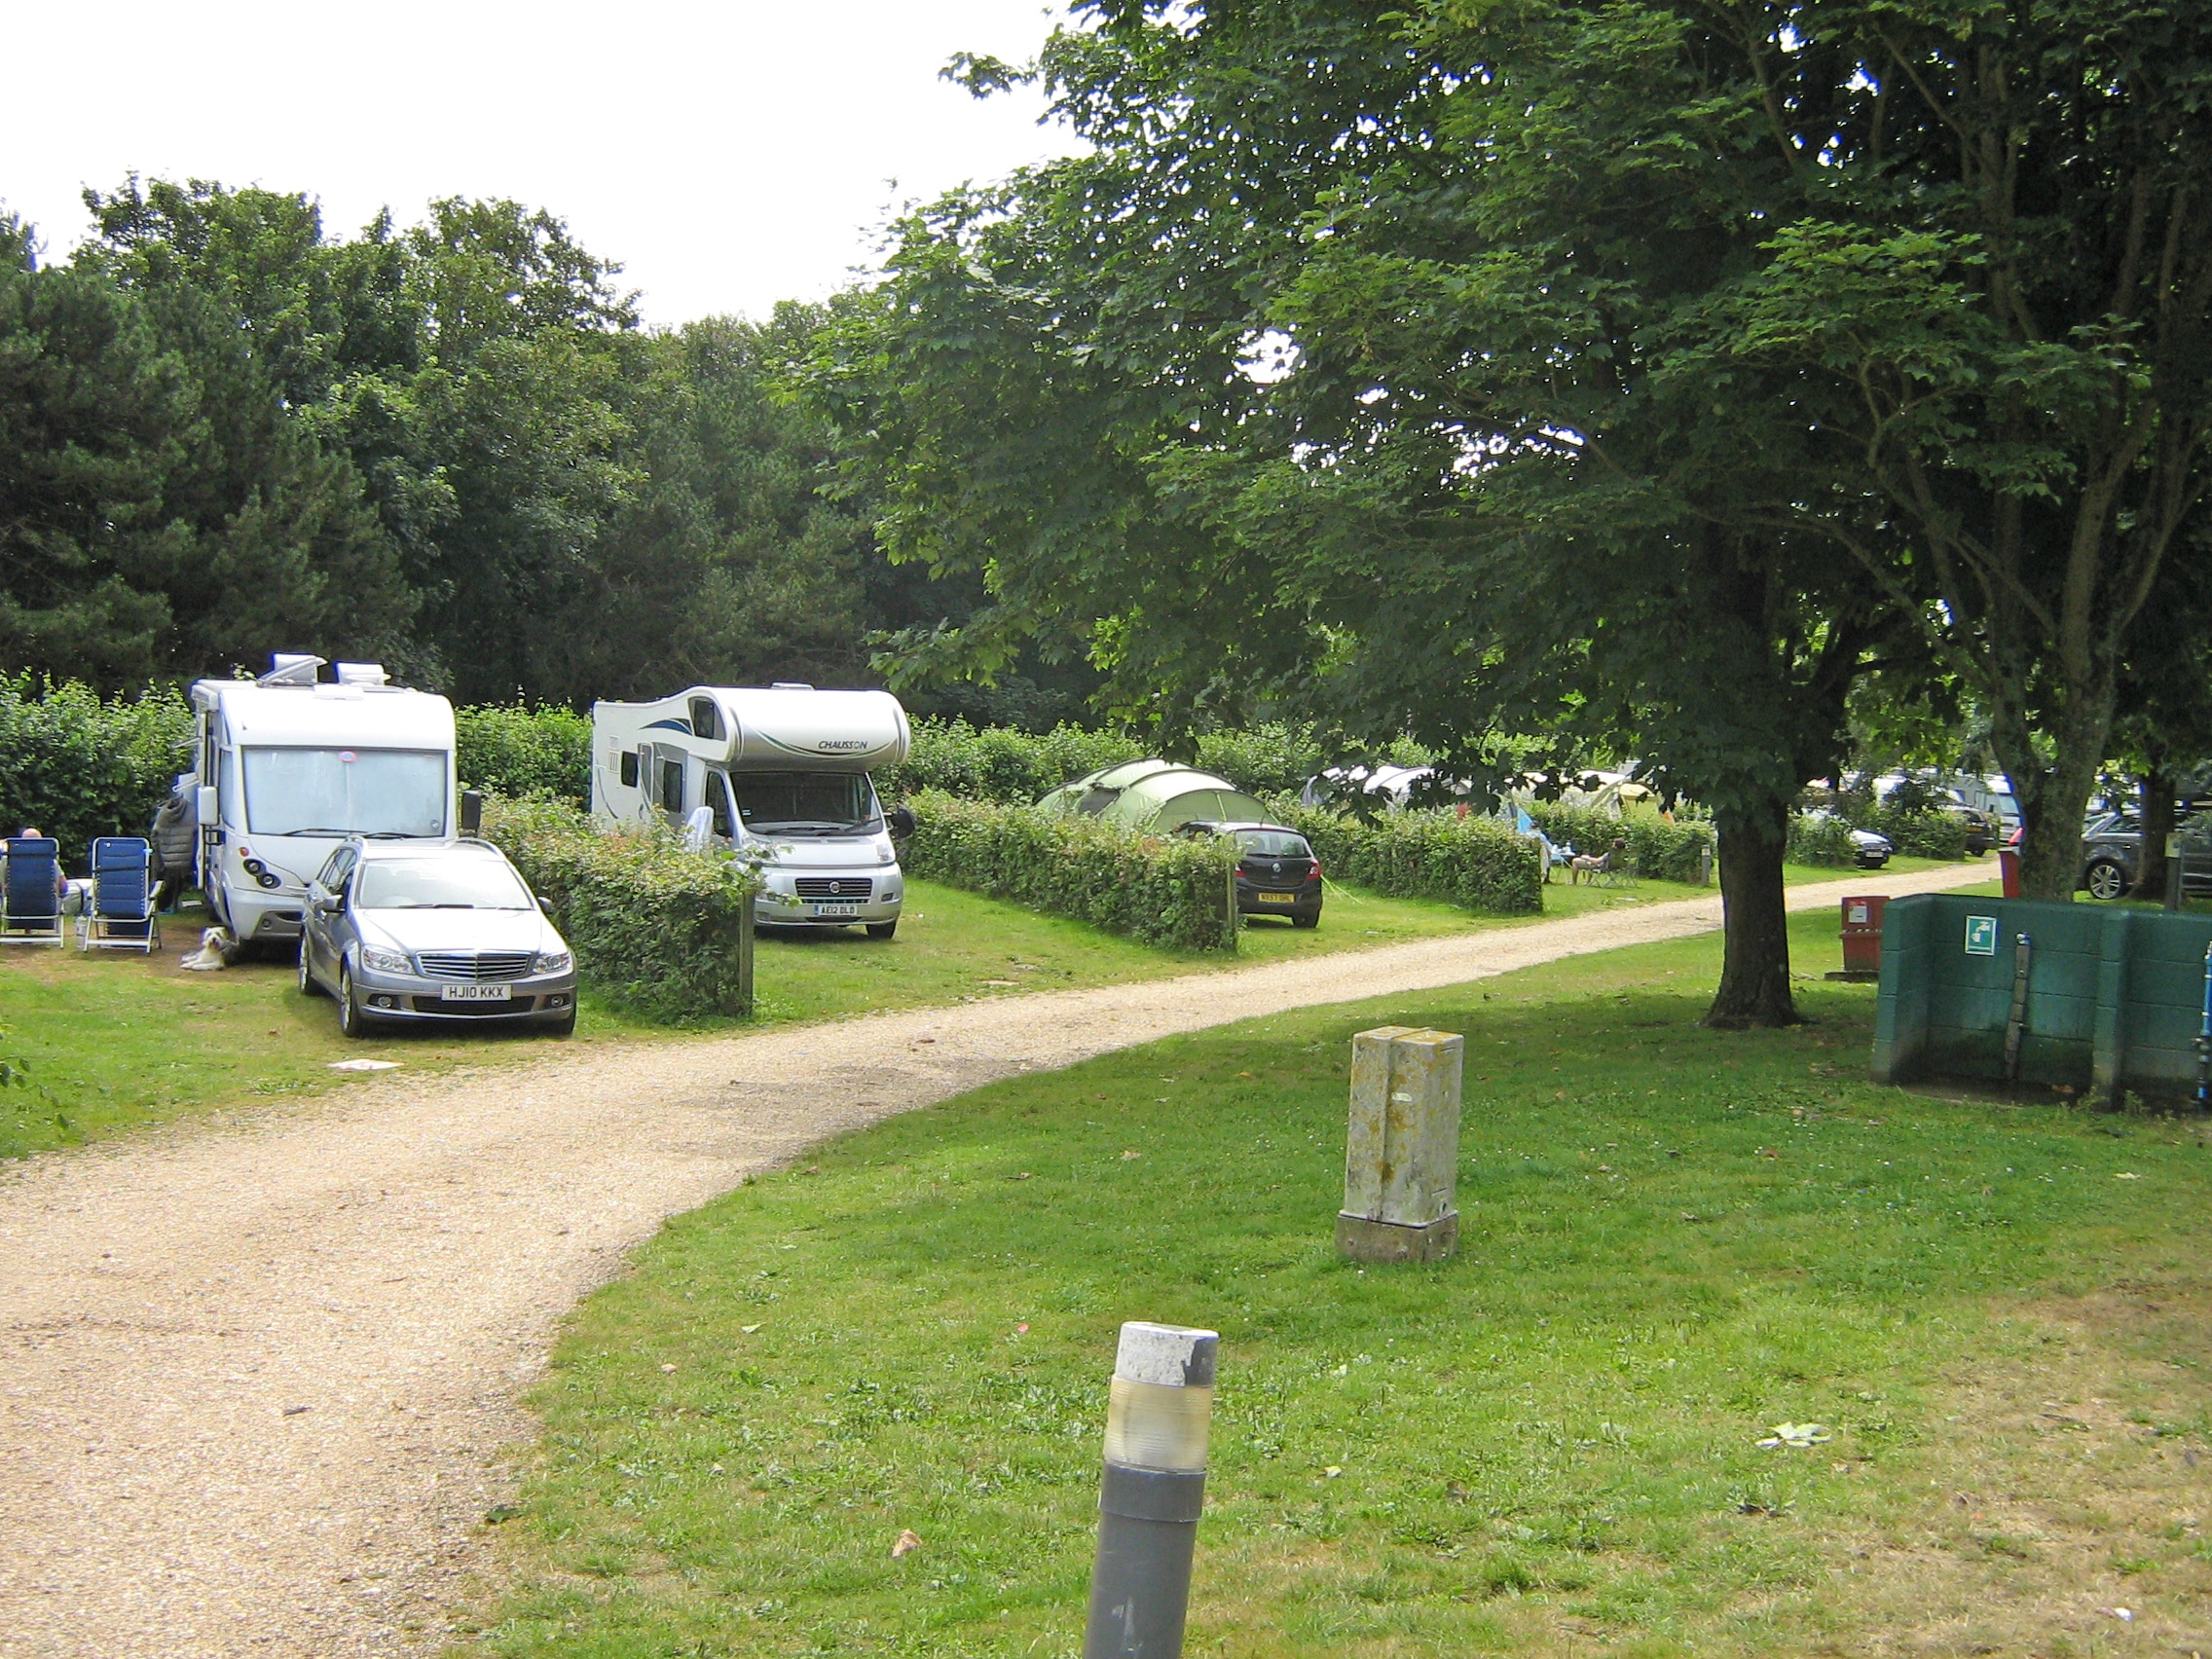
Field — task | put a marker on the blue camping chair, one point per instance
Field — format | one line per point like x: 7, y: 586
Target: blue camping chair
x: 32, y: 912
x: 118, y: 911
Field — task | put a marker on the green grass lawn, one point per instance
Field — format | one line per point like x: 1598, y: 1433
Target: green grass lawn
x: 1673, y: 1239
x: 116, y: 1039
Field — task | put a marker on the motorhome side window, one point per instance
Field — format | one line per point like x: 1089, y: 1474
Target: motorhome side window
x: 672, y: 787
x: 629, y: 770
x: 706, y: 719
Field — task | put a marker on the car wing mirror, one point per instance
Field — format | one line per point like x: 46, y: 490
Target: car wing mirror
x: 545, y: 904
x: 900, y: 821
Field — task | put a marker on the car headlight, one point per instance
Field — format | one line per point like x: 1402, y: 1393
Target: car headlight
x: 884, y: 855
x: 386, y: 961
x: 552, y: 962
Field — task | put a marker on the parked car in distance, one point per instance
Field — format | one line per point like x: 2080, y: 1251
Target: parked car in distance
x: 1277, y: 871
x: 2112, y: 857
x: 1985, y: 830
x: 438, y: 932
x: 1870, y: 851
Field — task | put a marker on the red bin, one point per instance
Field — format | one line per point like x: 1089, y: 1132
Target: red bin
x: 1863, y: 933
x: 2009, y: 868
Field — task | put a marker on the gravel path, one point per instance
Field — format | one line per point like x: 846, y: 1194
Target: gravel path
x: 257, y: 1378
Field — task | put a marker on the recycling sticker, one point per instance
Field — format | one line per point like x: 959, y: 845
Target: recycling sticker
x: 1981, y: 935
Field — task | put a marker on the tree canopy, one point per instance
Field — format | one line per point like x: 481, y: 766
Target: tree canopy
x: 224, y: 431
x: 1644, y: 373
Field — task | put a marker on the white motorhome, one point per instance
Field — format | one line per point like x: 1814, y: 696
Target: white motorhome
x: 779, y: 777
x: 289, y: 764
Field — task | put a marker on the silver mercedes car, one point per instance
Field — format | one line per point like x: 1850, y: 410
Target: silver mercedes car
x: 432, y: 932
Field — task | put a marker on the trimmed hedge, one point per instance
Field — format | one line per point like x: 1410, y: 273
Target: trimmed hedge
x: 656, y: 929
x: 1918, y: 835
x: 1473, y: 861
x: 1165, y: 891
x: 77, y: 766
x: 1819, y: 842
x: 515, y: 751
x: 1913, y: 834
x: 1656, y: 849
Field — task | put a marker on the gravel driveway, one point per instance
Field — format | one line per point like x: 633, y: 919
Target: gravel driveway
x: 257, y: 1377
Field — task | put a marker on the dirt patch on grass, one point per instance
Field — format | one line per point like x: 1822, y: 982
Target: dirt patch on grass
x: 2066, y: 1507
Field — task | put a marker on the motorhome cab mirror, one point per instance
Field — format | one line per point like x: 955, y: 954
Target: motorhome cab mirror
x: 472, y: 812
x: 900, y: 821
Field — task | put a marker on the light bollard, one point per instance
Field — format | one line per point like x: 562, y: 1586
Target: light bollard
x: 1402, y: 1146
x: 1153, y: 1489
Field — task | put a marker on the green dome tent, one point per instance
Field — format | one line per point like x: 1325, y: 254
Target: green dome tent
x: 1154, y: 796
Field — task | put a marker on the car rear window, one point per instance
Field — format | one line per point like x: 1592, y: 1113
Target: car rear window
x: 1274, y: 844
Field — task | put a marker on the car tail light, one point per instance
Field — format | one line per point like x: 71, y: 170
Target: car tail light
x: 1315, y: 874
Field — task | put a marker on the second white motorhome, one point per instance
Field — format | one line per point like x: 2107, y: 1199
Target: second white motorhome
x: 289, y: 765
x: 779, y: 777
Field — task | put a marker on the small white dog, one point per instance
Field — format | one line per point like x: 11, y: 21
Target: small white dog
x: 216, y: 948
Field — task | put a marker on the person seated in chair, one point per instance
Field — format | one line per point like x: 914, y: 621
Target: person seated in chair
x: 1594, y: 864
x: 62, y: 883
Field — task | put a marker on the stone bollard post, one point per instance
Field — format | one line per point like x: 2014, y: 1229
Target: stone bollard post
x: 1402, y: 1149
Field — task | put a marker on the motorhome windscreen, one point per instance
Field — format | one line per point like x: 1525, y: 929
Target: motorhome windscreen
x: 806, y: 804
x: 345, y: 792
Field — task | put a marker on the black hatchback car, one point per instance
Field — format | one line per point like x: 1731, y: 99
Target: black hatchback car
x: 1277, y: 871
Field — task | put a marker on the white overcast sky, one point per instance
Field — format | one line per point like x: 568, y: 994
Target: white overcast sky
x: 727, y: 156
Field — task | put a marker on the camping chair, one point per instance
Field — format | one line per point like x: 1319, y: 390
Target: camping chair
x: 1607, y: 869
x: 118, y: 911
x: 32, y: 912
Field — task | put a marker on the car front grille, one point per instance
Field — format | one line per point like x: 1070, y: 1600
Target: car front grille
x: 475, y: 966
x: 516, y: 1005
x: 833, y: 886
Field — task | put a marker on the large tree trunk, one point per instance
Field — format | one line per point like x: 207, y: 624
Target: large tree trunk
x: 2054, y: 797
x: 1755, y: 968
x: 2157, y: 787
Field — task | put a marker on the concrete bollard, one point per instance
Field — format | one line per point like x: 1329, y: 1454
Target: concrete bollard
x: 1402, y: 1149
x: 1154, y: 1487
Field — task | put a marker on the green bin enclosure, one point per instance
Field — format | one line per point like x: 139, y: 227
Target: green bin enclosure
x: 1154, y: 795
x: 2115, y: 995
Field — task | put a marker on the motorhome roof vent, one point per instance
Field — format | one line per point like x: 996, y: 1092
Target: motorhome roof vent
x: 362, y: 674
x: 290, y: 668
x: 791, y: 685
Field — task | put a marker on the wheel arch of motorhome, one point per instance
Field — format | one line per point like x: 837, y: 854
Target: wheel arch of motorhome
x: 781, y: 775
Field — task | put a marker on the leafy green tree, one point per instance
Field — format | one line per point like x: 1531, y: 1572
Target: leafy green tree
x: 1465, y: 499
x: 2000, y: 290
x: 161, y: 508
x: 2163, y: 729
x: 1642, y: 372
